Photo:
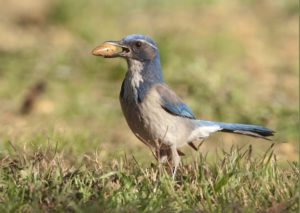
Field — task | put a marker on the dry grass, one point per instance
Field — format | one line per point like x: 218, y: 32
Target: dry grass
x: 46, y: 180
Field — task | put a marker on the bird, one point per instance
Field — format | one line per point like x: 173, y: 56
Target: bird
x: 153, y: 111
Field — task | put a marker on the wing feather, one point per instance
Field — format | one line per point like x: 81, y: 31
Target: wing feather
x: 171, y: 103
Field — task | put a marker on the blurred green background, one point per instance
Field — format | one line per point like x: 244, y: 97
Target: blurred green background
x: 231, y: 61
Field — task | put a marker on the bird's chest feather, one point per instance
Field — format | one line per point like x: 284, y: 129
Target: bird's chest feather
x: 133, y: 91
x: 134, y: 103
x: 142, y: 111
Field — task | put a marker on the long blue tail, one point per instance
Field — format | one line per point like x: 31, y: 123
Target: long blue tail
x: 244, y: 129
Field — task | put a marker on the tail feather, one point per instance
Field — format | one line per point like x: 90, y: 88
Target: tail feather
x: 250, y: 130
x: 243, y: 129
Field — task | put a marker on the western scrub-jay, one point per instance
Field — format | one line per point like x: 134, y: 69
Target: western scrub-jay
x: 154, y: 113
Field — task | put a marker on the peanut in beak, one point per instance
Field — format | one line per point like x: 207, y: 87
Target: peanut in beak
x: 106, y: 50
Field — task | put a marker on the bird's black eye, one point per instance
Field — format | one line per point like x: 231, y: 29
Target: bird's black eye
x: 138, y: 44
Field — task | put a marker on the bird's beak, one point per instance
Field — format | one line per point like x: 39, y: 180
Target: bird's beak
x: 111, y: 49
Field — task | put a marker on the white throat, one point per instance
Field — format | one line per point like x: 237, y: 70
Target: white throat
x: 135, y: 69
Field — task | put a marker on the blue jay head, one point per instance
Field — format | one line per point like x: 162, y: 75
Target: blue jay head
x: 137, y: 47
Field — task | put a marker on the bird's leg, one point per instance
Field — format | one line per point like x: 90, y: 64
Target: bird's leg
x: 160, y: 154
x: 175, y: 160
x: 163, y: 155
x: 191, y: 144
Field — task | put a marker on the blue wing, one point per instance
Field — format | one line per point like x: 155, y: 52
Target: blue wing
x: 172, y: 103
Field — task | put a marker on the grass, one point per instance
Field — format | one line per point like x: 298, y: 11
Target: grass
x: 46, y: 180
x: 229, y: 61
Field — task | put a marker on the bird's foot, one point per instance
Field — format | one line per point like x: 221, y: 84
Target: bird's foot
x: 174, y: 173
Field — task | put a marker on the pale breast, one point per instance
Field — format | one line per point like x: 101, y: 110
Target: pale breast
x: 149, y: 121
x: 132, y: 111
x: 164, y: 127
